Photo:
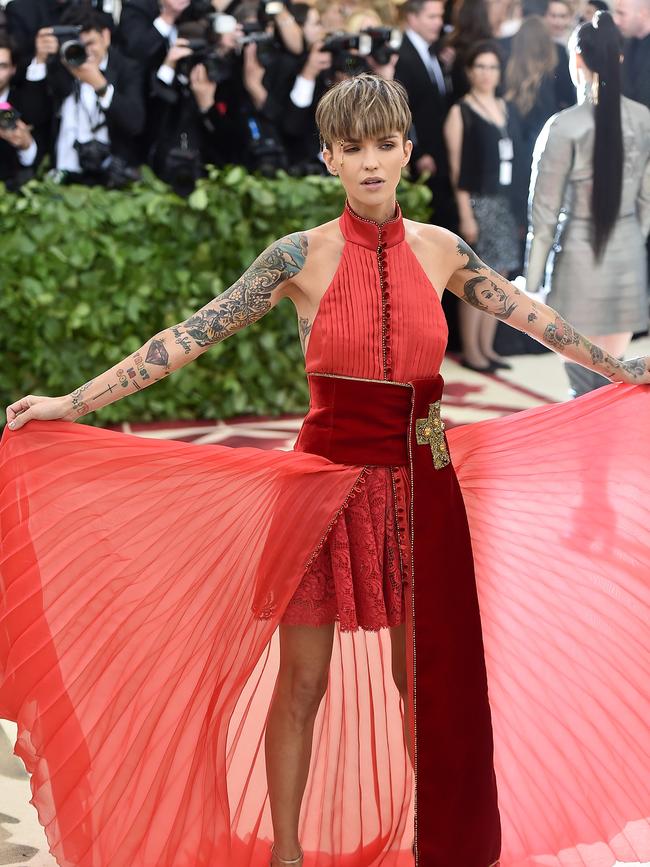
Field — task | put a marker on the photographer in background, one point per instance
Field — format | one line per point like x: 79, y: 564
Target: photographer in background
x: 264, y: 53
x: 19, y: 152
x: 96, y: 100
x: 149, y: 28
x: 365, y: 46
x: 26, y: 17
x: 192, y: 110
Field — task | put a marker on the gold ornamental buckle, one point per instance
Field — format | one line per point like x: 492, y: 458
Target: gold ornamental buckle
x: 431, y: 431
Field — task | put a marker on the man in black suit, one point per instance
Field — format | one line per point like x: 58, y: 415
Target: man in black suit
x: 149, y: 28
x: 633, y: 20
x: 421, y: 73
x: 95, y: 108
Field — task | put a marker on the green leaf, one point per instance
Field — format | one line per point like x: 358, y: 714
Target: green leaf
x: 199, y: 199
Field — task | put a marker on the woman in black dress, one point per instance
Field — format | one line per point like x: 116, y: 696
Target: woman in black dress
x: 481, y: 141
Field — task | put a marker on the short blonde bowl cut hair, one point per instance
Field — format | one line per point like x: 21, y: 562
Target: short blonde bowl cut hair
x: 363, y: 107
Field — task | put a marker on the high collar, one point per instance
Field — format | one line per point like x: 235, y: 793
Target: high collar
x: 368, y: 233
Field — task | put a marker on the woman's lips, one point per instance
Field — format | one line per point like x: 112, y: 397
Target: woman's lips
x: 372, y: 184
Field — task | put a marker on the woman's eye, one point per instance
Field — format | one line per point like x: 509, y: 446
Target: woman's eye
x: 389, y: 145
x: 350, y: 150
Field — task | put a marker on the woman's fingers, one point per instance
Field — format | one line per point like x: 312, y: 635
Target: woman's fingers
x: 19, y: 407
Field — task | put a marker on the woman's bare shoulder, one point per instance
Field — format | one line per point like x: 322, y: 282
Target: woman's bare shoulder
x: 435, y: 238
x: 324, y: 245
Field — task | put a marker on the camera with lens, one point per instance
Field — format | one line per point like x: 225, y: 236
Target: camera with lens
x: 386, y: 42
x: 218, y: 68
x: 349, y: 51
x: 94, y: 156
x: 71, y: 49
x: 9, y: 116
x: 267, y: 45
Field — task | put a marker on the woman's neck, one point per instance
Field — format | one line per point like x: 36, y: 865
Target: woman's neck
x: 585, y: 86
x: 378, y: 213
x: 488, y: 96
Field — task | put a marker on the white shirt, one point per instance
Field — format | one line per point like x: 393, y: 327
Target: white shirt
x: 169, y: 31
x: 77, y: 118
x: 302, y: 93
x: 25, y: 157
x: 430, y: 61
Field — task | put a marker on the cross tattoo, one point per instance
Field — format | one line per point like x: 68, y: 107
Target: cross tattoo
x: 107, y: 389
x: 431, y: 431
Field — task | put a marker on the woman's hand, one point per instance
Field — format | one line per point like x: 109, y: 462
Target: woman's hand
x: 469, y: 229
x: 636, y: 371
x: 42, y: 408
x: 203, y: 88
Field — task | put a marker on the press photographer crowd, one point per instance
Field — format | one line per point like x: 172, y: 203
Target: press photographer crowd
x: 100, y: 90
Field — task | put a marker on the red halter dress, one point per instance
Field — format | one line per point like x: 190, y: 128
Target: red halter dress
x: 142, y: 583
x: 370, y: 328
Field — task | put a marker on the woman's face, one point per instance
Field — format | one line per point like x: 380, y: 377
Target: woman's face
x: 312, y: 28
x: 370, y: 170
x: 333, y: 18
x: 485, y: 73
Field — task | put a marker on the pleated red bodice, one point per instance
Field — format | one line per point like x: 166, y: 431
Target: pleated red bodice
x: 380, y: 317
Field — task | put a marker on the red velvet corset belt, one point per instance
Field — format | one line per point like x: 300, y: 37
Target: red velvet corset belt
x: 359, y: 422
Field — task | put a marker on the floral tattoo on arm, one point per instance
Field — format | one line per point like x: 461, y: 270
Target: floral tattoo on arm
x: 249, y: 298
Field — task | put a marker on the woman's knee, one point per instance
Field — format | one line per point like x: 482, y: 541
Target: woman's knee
x: 304, y: 668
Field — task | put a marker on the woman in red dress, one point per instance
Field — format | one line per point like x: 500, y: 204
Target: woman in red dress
x: 165, y: 719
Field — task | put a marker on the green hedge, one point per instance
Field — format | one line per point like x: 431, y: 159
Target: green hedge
x: 87, y: 275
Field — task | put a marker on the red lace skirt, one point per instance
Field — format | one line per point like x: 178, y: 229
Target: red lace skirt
x: 359, y: 575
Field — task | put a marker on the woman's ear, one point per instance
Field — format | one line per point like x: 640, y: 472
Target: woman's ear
x: 328, y: 158
x: 408, y: 150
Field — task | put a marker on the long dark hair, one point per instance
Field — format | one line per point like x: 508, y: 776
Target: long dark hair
x: 599, y: 43
x: 471, y: 25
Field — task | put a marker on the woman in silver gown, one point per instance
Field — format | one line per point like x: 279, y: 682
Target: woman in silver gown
x: 590, y: 203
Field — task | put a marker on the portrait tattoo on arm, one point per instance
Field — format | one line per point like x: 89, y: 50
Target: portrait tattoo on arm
x: 483, y: 291
x: 485, y: 294
x: 249, y: 298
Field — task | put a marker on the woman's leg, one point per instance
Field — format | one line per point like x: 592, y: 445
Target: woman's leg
x: 615, y: 344
x: 305, y: 653
x: 487, y: 332
x: 470, y: 322
x: 398, y: 643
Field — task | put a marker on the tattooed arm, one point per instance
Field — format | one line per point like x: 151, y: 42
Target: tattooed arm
x: 246, y: 301
x: 480, y: 286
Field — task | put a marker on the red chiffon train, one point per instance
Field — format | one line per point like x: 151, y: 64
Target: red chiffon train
x: 142, y: 582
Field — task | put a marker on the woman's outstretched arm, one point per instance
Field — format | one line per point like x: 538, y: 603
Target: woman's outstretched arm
x: 246, y: 301
x: 480, y: 286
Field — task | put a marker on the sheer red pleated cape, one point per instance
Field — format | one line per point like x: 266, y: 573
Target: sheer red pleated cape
x: 142, y: 587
